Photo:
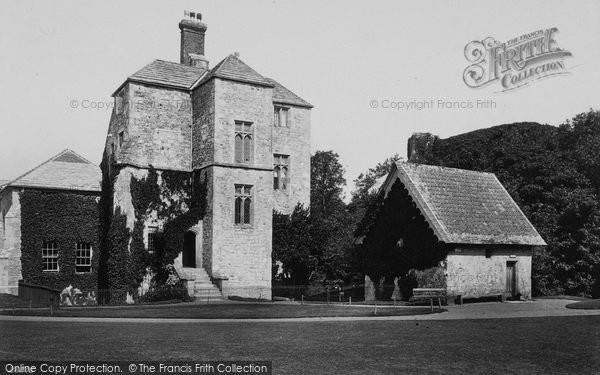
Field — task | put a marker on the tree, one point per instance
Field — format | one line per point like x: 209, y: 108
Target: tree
x: 553, y: 173
x: 326, y: 183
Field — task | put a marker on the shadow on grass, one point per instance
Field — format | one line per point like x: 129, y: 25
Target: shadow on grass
x: 225, y: 311
x: 585, y: 305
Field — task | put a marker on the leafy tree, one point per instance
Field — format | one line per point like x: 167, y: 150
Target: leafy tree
x: 554, y: 175
x: 326, y: 183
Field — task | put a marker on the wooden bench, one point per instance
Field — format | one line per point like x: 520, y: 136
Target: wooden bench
x: 430, y: 294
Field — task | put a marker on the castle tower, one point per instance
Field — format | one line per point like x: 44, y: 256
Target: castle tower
x: 244, y: 138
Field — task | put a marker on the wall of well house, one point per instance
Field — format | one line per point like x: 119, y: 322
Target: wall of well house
x: 470, y: 273
x: 10, y: 241
x: 203, y: 118
x: 242, y: 254
x: 157, y: 125
x: 294, y: 140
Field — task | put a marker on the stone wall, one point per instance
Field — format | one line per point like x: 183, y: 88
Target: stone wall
x: 294, y: 141
x: 471, y: 274
x: 157, y: 128
x: 243, y: 102
x: 203, y: 145
x: 242, y: 254
x: 10, y: 241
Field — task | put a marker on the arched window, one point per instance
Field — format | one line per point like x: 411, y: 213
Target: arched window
x: 280, y: 171
x: 276, y: 177
x: 238, y: 210
x: 247, y: 210
x: 243, y: 205
x: 244, y: 142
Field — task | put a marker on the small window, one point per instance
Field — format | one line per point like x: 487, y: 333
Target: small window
x: 281, y: 117
x: 50, y: 256
x: 244, y: 142
x: 83, y: 257
x: 121, y: 138
x: 152, y: 239
x: 281, y: 167
x: 243, y: 205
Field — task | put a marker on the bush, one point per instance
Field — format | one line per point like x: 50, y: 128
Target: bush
x: 167, y: 293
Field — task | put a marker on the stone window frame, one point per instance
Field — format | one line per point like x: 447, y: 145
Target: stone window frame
x: 83, y: 257
x: 281, y: 116
x: 50, y: 256
x: 152, y: 232
x: 281, y: 165
x: 243, y: 150
x: 243, y: 210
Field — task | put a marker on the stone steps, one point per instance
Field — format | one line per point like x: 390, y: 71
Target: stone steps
x: 204, y: 289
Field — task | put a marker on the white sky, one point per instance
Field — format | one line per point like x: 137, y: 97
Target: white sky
x: 338, y: 55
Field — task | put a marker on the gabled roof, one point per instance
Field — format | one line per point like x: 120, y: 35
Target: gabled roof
x: 283, y: 95
x: 65, y: 171
x: 167, y: 74
x: 232, y: 68
x: 465, y: 207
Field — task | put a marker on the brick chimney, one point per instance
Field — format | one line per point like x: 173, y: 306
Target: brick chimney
x: 420, y: 146
x: 192, y: 40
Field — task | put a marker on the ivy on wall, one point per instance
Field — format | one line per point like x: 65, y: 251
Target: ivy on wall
x: 66, y: 218
x: 178, y: 199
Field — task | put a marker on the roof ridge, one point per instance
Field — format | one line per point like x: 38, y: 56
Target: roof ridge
x: 444, y: 167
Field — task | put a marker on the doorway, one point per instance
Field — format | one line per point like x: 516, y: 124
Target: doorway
x: 189, y: 250
x: 511, y: 279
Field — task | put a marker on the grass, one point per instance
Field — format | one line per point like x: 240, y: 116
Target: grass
x: 228, y: 310
x: 586, y: 305
x: 552, y: 345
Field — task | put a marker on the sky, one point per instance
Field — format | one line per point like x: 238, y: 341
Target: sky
x: 355, y: 61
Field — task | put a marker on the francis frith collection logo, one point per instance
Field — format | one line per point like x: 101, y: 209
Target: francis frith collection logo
x: 514, y: 63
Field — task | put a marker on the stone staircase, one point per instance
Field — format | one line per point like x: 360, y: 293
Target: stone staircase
x: 204, y: 289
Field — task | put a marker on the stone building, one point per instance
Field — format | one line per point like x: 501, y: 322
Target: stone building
x: 49, y: 227
x: 244, y: 137
x: 459, y: 229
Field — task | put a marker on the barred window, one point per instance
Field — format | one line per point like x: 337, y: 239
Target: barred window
x: 244, y: 142
x: 152, y: 238
x: 243, y: 205
x: 83, y: 257
x: 281, y: 167
x: 281, y: 116
x: 50, y: 256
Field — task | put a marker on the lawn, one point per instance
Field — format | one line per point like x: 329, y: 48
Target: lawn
x: 228, y: 310
x: 552, y: 345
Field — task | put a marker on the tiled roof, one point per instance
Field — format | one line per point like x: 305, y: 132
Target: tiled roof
x: 283, y: 95
x: 234, y: 69
x: 465, y: 207
x: 65, y: 171
x: 170, y: 74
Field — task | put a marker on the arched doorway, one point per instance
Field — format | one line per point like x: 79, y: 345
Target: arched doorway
x: 189, y: 250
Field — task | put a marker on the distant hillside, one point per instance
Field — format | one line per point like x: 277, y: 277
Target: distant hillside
x: 554, y: 175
